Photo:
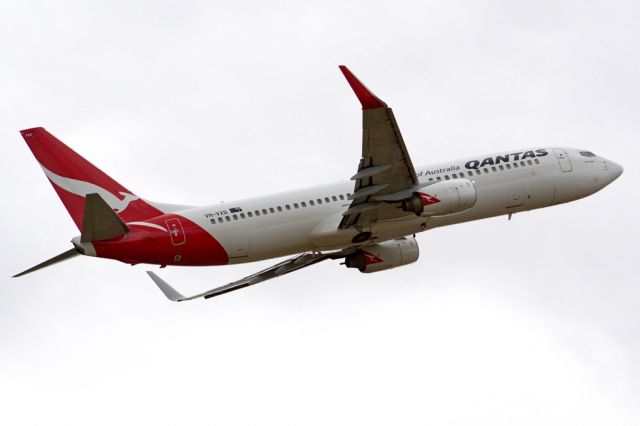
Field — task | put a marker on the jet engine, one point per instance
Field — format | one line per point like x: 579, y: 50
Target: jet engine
x: 444, y: 197
x: 386, y: 255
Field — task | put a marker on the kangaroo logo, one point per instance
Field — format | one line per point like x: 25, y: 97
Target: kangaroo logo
x: 427, y: 199
x: 370, y: 258
x: 82, y: 188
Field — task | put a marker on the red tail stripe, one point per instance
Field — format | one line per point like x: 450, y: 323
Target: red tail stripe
x: 61, y: 160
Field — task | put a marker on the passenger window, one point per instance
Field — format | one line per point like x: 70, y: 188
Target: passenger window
x: 312, y: 203
x: 508, y: 166
x: 438, y: 178
x: 486, y: 170
x: 348, y: 194
x: 213, y: 221
x: 446, y: 177
x: 319, y: 200
x: 264, y: 211
x: 470, y: 173
x: 227, y: 218
x: 529, y: 162
x: 303, y: 204
x: 235, y: 217
x: 334, y: 198
x: 501, y: 167
x: 242, y: 216
x: 455, y: 176
x: 219, y: 220
x: 327, y: 199
x: 522, y: 163
x: 494, y: 168
x: 257, y: 212
x: 535, y: 160
x: 279, y: 208
x: 287, y: 206
x: 295, y: 205
x: 250, y: 214
x: 341, y: 197
x: 430, y: 179
x: 478, y: 171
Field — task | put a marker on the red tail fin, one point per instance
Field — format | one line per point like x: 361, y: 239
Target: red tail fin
x: 73, y: 178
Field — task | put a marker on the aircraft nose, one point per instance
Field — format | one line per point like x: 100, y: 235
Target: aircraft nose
x: 614, y: 169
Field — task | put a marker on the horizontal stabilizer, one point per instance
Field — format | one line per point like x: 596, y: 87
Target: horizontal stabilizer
x: 100, y: 221
x: 59, y: 258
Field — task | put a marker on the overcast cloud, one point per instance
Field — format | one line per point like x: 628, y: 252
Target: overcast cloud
x: 529, y: 322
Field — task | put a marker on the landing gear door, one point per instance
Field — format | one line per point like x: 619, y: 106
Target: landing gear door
x: 515, y: 197
x: 563, y: 159
x: 175, y: 231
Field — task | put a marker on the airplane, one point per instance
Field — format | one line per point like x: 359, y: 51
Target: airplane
x: 369, y: 222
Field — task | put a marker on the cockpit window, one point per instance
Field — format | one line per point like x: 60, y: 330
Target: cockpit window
x: 587, y: 154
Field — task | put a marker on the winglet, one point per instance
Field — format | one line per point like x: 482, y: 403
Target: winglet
x: 365, y: 96
x: 168, y: 291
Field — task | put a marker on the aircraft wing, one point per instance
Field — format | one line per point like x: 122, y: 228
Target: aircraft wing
x: 385, y: 172
x: 282, y: 268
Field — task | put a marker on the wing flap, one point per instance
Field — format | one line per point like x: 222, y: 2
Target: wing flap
x: 371, y: 171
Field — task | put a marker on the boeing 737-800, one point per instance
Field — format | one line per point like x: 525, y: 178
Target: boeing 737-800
x: 369, y: 221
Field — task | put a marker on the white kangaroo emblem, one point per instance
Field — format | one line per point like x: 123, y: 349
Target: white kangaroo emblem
x: 83, y: 188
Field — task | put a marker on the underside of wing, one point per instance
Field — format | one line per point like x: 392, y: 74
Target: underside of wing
x: 385, y: 174
x: 282, y: 268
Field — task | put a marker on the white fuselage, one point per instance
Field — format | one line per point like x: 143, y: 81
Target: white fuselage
x: 307, y: 219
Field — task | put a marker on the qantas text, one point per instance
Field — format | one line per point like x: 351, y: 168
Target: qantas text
x: 515, y: 156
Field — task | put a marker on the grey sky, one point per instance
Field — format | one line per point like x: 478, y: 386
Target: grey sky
x: 533, y: 321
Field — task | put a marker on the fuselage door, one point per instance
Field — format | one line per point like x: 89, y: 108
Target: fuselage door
x: 563, y: 159
x: 175, y: 231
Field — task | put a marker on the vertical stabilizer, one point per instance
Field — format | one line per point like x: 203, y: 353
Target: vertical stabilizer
x: 74, y: 178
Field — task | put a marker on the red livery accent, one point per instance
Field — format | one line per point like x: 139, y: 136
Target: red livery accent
x: 154, y: 237
x: 176, y: 231
x: 73, y: 178
x: 427, y: 199
x: 365, y: 96
x: 370, y: 258
x: 184, y: 243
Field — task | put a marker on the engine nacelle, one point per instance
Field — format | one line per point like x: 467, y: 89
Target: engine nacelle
x: 386, y: 255
x: 445, y: 197
x: 413, y: 204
